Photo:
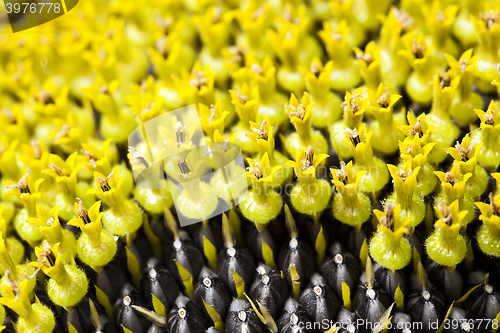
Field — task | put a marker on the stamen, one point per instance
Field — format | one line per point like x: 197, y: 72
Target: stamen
x: 45, y: 97
x: 9, y: 115
x: 13, y: 286
x: 315, y: 69
x: 256, y: 171
x: 180, y: 133
x: 308, y: 161
x: 418, y: 50
x: 383, y: 101
x: 388, y: 219
x: 103, y: 182
x: 448, y: 218
x: 22, y: 184
x: 444, y: 80
x: 60, y: 172
x: 256, y: 69
x: 366, y: 57
x: 489, y: 118
x: 450, y: 178
x: 182, y: 164
x: 262, y: 132
x: 199, y: 80
x: 64, y: 132
x: 298, y: 112
x: 137, y: 158
x: 90, y: 157
x: 36, y: 148
x: 353, y: 136
x: 341, y: 173
x: 416, y: 129
x: 82, y: 212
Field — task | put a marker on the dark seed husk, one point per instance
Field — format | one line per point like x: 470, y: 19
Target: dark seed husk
x: 370, y: 303
x: 213, y: 291
x: 161, y: 231
x: 293, y: 319
x: 241, y: 318
x: 141, y: 249
x: 269, y: 288
x: 484, y: 301
x: 340, y: 266
x: 388, y: 280
x: 80, y: 316
x: 299, y: 254
x: 157, y: 280
x: 125, y: 314
x: 460, y: 321
x: 185, y: 253
x: 255, y: 239
x: 212, y: 231
x: 319, y: 301
x: 426, y: 306
x: 349, y: 322
x: 186, y: 317
x: 352, y: 239
x: 401, y: 322
x: 112, y: 279
x: 156, y: 329
x: 449, y: 283
x: 239, y: 260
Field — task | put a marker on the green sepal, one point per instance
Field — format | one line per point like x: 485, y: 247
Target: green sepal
x: 268, y: 255
x: 210, y: 253
x: 103, y: 299
x: 384, y: 320
x: 441, y: 327
x: 320, y: 247
x: 158, y: 306
x: 497, y: 318
x: 126, y: 330
x: 215, y: 316
x: 294, y: 276
x: 134, y: 268
x: 399, y: 298
x: 71, y: 328
x: 187, y: 280
x: 154, y: 241
x: 363, y: 253
x: 346, y: 295
x: 240, y: 285
x: 464, y: 297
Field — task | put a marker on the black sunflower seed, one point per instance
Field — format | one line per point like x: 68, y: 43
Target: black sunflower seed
x: 370, y: 301
x: 211, y: 289
x: 269, y: 288
x: 299, y: 254
x: 449, y: 283
x: 294, y: 319
x: 319, y: 301
x: 125, y: 314
x: 349, y: 322
x: 241, y: 318
x: 484, y: 301
x: 157, y: 280
x: 426, y: 305
x: 186, y: 317
x: 185, y: 253
x: 388, y: 280
x: 238, y: 259
x: 340, y: 266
